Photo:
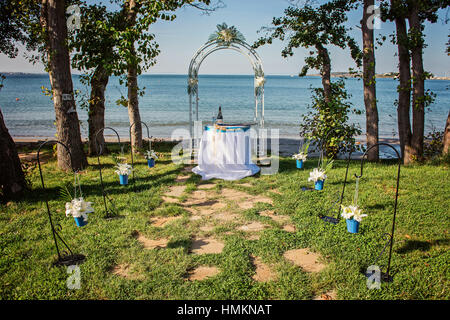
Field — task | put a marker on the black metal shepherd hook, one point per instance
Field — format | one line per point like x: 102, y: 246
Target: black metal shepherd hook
x: 99, y: 153
x: 69, y: 258
x: 385, y: 276
x: 325, y: 218
x: 131, y: 144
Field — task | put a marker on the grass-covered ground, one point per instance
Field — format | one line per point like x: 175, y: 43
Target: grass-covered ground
x: 420, y: 260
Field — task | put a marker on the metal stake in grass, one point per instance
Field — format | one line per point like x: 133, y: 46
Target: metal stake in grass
x: 131, y: 145
x: 99, y: 148
x: 386, y: 276
x: 68, y: 258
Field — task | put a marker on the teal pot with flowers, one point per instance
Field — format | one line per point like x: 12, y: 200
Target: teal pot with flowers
x: 299, y: 164
x: 78, y: 209
x: 123, y: 170
x: 123, y: 178
x: 151, y: 156
x: 353, y: 216
x: 318, y: 185
x: 352, y: 225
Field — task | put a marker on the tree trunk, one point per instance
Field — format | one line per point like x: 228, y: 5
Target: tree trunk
x: 325, y: 72
x: 418, y: 105
x: 133, y: 109
x: 132, y: 83
x: 370, y: 99
x: 12, y: 179
x: 53, y: 22
x: 404, y: 90
x: 96, y: 118
x: 446, y: 141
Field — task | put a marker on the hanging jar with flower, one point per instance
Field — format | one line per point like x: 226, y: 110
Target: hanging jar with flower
x: 123, y: 170
x: 150, y: 156
x: 76, y: 207
x: 353, y: 214
x: 318, y: 175
x: 301, y: 156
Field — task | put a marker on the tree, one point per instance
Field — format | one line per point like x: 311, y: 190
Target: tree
x: 369, y: 79
x: 317, y: 28
x: 12, y: 178
x: 93, y: 47
x: 138, y: 49
x: 56, y: 54
x: 410, y: 43
x: 446, y: 141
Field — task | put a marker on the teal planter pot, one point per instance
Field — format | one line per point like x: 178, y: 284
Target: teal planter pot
x: 151, y: 163
x: 80, y: 222
x: 319, y: 184
x: 123, y: 179
x: 352, y: 226
x: 300, y: 164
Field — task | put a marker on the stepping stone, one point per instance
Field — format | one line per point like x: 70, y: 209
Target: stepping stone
x: 226, y: 216
x: 162, y: 221
x: 308, y: 261
x: 207, y: 228
x: 175, y: 191
x: 234, y: 195
x: 169, y: 200
x: 206, y: 245
x: 195, y: 218
x: 253, y: 227
x: 203, y: 272
x: 254, y: 237
x: 263, y: 273
x: 252, y: 200
x: 206, y: 186
x: 290, y: 228
x: 247, y: 184
x: 182, y: 179
x: 278, y: 218
x: 149, y: 243
x: 187, y: 169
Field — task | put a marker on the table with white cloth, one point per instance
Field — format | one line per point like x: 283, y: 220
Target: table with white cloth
x: 225, y: 153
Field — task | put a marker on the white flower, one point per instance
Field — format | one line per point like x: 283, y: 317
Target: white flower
x: 123, y: 169
x: 300, y: 156
x: 352, y: 212
x: 150, y: 155
x: 316, y: 175
x: 79, y: 208
x: 259, y: 81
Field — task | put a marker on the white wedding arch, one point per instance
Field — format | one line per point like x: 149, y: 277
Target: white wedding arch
x: 228, y: 38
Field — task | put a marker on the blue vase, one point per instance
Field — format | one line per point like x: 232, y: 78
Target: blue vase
x: 123, y: 179
x: 352, y: 226
x: 80, y: 221
x: 151, y: 163
x: 300, y: 164
x: 319, y: 184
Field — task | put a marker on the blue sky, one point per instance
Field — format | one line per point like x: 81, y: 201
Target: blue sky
x: 181, y: 38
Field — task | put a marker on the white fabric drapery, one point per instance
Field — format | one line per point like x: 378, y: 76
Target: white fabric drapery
x: 225, y: 154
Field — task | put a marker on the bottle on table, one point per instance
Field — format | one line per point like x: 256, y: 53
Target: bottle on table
x: 219, y: 116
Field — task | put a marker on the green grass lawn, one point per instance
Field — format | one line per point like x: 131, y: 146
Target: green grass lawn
x: 420, y: 258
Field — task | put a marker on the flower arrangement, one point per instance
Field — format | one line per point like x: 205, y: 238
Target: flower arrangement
x: 302, y: 152
x: 78, y: 209
x: 123, y: 169
x: 150, y: 154
x: 352, y: 212
x: 317, y: 175
x: 353, y: 215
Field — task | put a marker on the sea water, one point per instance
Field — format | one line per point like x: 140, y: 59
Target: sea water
x: 164, y: 106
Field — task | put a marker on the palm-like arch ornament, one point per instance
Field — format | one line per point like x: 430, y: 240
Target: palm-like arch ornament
x: 231, y: 39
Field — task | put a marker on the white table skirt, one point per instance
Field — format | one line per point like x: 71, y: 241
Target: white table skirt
x: 225, y: 154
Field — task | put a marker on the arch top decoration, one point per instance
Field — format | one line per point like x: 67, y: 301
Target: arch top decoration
x: 231, y: 39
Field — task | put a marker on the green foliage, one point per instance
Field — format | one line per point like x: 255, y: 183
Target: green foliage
x: 433, y: 144
x: 324, y: 117
x: 226, y: 35
x: 314, y: 27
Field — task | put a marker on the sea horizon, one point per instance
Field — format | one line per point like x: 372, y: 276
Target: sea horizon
x: 164, y: 107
